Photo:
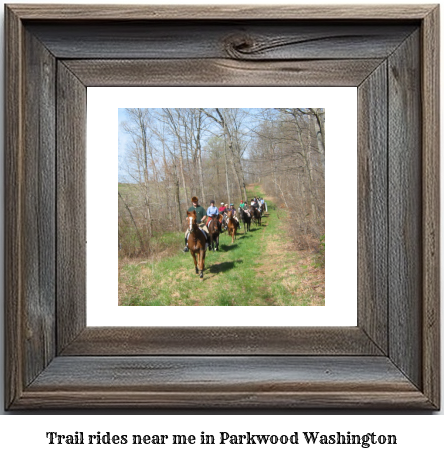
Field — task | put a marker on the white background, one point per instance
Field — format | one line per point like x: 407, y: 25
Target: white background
x: 418, y: 434
x: 340, y: 195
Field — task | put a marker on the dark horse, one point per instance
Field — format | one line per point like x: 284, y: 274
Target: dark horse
x: 255, y: 214
x: 196, y: 242
x: 246, y: 219
x: 214, y: 229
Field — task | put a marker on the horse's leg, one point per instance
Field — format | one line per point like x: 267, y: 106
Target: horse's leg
x: 195, y: 261
x: 201, y: 262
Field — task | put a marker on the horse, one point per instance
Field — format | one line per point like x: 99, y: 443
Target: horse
x: 232, y: 226
x: 196, y: 242
x: 224, y: 221
x: 255, y: 215
x: 220, y: 218
x: 261, y: 209
x: 214, y: 230
x: 246, y: 219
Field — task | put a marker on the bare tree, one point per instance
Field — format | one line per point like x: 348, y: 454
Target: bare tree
x: 174, y: 153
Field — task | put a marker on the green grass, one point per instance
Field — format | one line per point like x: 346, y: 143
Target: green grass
x: 241, y: 274
x: 229, y: 277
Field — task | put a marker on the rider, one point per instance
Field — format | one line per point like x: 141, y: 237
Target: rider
x: 200, y: 218
x: 213, y: 210
x: 242, y: 204
x: 222, y: 208
x: 234, y: 213
x: 262, y: 203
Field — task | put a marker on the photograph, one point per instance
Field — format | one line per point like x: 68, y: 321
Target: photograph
x: 221, y: 206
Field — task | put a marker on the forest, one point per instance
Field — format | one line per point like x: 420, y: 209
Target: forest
x: 170, y: 155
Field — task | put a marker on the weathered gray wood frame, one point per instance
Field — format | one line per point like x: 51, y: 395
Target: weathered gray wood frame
x: 390, y: 360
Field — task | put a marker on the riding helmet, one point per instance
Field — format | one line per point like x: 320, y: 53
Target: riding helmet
x: 194, y: 199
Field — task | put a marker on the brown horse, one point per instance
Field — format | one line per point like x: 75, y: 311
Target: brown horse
x: 196, y: 242
x: 232, y: 226
x: 214, y: 229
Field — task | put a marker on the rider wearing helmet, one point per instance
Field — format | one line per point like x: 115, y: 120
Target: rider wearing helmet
x: 234, y: 213
x: 254, y: 203
x: 211, y: 211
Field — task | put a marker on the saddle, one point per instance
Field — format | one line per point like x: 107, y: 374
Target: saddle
x: 204, y: 232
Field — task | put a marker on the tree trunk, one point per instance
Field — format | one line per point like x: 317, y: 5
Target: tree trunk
x: 199, y: 161
x: 226, y: 170
x: 183, y: 177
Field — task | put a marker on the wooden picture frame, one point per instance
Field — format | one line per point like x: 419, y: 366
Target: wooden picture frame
x: 390, y: 360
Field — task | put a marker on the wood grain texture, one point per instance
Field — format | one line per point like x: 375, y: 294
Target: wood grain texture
x: 103, y: 367
x: 222, y: 12
x: 258, y: 40
x: 212, y: 72
x: 39, y: 207
x: 405, y: 209
x: 209, y: 373
x: 431, y: 208
x: 126, y: 341
x: 13, y: 210
x: 71, y: 206
x: 373, y: 207
x: 245, y: 401
x: 238, y: 382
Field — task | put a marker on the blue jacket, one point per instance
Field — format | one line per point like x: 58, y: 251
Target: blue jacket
x: 212, y: 210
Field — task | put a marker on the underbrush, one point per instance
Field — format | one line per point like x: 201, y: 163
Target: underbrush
x: 162, y: 243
